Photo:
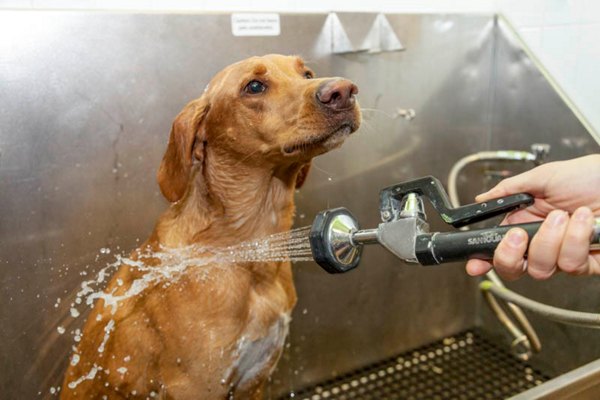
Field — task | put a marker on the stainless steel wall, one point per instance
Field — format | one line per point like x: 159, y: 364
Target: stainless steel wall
x: 385, y: 306
x: 86, y: 102
x: 527, y: 110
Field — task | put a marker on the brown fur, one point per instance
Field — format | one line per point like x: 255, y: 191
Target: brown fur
x: 229, y: 178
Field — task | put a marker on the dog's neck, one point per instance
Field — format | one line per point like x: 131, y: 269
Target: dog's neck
x: 228, y: 203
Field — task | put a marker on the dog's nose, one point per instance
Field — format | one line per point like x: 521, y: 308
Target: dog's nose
x: 337, y: 94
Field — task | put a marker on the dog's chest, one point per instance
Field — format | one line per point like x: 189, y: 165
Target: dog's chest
x: 256, y: 357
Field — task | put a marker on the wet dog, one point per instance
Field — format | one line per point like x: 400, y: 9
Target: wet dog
x: 234, y: 159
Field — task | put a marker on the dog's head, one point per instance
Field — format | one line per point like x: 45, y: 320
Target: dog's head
x: 268, y: 111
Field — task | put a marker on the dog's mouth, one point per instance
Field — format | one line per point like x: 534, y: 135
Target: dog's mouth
x: 325, y: 141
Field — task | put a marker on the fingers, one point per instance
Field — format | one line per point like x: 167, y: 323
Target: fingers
x: 561, y: 242
x: 574, y: 251
x: 508, y: 257
x: 477, y: 267
x: 532, y: 182
x: 545, y: 246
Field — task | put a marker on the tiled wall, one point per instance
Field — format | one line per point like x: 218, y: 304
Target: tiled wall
x: 564, y: 34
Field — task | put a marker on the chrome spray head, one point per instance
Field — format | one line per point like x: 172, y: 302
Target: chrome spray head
x: 331, y: 240
x: 336, y: 241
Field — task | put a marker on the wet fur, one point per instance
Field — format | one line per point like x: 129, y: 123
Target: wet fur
x: 218, y: 331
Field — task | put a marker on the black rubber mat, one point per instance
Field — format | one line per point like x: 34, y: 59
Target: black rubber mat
x: 463, y: 366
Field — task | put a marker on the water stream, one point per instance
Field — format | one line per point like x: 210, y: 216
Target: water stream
x: 172, y: 263
x: 291, y: 245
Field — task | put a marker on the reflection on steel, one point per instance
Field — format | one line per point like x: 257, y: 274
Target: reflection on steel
x: 86, y: 104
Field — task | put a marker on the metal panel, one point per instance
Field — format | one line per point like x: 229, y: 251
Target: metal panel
x: 582, y: 383
x: 385, y: 307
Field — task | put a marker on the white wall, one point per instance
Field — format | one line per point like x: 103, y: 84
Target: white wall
x: 564, y: 34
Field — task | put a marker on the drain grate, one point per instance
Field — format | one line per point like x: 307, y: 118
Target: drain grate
x: 464, y: 366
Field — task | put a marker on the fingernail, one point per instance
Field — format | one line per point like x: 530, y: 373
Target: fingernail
x: 557, y: 218
x: 515, y: 237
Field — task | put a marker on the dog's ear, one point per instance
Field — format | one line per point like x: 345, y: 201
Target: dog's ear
x: 302, y: 175
x: 186, y: 147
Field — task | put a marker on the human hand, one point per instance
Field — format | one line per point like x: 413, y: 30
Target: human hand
x: 562, y: 242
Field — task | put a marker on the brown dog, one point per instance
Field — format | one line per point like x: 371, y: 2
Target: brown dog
x: 234, y: 158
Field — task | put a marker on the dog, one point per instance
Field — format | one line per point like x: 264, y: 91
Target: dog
x: 234, y: 159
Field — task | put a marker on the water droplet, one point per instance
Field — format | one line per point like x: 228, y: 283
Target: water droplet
x: 105, y: 250
x: 60, y: 330
x: 305, y: 311
x: 74, y: 312
x: 75, y: 359
x: 329, y: 179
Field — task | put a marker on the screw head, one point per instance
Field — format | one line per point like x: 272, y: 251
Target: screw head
x: 386, y: 215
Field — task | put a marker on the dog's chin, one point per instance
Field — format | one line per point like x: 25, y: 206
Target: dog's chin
x: 319, y: 144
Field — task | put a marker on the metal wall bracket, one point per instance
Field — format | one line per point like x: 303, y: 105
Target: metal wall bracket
x: 353, y: 33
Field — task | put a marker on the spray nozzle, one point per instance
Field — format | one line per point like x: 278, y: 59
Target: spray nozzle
x: 331, y: 240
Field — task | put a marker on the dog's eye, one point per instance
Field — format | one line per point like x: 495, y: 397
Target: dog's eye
x: 255, y: 87
x: 308, y: 75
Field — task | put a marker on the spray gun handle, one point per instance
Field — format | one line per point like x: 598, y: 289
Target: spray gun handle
x: 429, y: 187
x: 441, y: 248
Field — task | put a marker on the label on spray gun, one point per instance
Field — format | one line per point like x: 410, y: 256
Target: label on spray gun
x: 488, y: 237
